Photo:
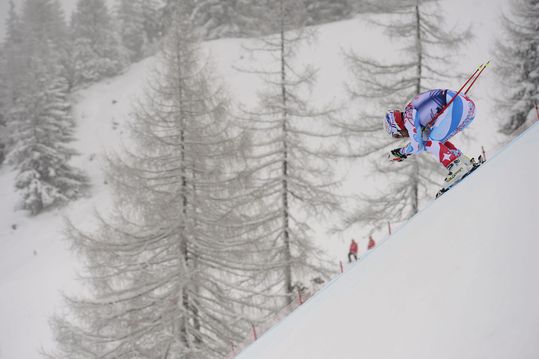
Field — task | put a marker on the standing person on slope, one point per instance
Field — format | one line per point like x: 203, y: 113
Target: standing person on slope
x: 415, y: 123
x: 352, y: 252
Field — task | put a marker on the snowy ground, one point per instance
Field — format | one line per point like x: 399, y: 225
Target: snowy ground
x: 35, y: 264
x: 458, y: 281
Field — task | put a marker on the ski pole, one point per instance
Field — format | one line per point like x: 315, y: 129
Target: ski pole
x: 479, y: 74
x: 479, y: 69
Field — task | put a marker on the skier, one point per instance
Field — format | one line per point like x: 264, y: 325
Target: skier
x: 416, y: 123
x: 352, y: 252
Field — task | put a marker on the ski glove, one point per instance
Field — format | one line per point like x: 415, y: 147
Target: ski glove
x: 396, y: 155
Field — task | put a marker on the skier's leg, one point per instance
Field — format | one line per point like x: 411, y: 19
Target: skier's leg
x: 469, y: 113
x: 447, y: 124
x: 452, y: 148
x: 441, y: 152
x: 457, y: 117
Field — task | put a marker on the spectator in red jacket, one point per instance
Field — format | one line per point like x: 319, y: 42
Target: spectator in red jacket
x: 353, y: 251
x: 371, y: 244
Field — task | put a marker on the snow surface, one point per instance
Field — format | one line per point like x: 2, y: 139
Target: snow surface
x: 458, y: 281
x: 35, y: 262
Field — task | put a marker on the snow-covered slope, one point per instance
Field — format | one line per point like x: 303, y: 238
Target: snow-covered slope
x: 35, y: 263
x: 458, y: 281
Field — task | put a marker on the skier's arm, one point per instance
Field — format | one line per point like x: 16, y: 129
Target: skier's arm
x: 415, y: 131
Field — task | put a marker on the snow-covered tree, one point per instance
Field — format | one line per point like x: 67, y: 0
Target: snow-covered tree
x: 289, y: 163
x: 427, y: 52
x: 41, y: 131
x: 240, y: 18
x: 322, y: 11
x: 39, y: 114
x: 216, y: 18
x: 165, y: 271
x: 131, y: 26
x: 13, y: 25
x: 171, y: 8
x: 228, y: 18
x: 13, y: 59
x: 138, y: 26
x: 152, y: 20
x: 517, y: 66
x: 96, y: 50
x: 3, y: 109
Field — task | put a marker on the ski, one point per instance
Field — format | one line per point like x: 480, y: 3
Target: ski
x: 476, y: 164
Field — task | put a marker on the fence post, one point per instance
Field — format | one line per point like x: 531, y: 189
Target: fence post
x: 389, y: 228
x: 254, y: 331
x: 537, y: 111
x: 342, y: 269
x: 300, y: 299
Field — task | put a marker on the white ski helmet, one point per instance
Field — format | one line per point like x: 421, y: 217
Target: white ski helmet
x: 394, y: 124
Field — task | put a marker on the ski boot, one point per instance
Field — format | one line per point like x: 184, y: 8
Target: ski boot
x: 458, y: 169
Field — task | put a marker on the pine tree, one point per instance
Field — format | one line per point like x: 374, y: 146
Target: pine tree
x: 3, y: 108
x: 42, y: 129
x: 39, y: 116
x: 214, y: 18
x: 323, y: 11
x: 152, y: 21
x: 96, y: 50
x: 226, y: 18
x: 139, y: 26
x: 171, y: 8
x: 13, y: 26
x: 13, y: 61
x: 289, y: 163
x: 517, y: 66
x: 389, y: 85
x: 165, y: 270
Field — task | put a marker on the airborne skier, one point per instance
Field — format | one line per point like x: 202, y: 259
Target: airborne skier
x: 431, y: 132
x: 430, y: 120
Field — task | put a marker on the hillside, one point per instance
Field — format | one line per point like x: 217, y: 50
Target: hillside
x: 458, y: 281
x: 35, y: 262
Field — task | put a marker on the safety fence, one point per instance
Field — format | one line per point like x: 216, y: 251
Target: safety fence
x: 301, y: 297
x: 260, y: 329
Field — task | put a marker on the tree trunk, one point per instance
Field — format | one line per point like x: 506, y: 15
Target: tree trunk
x: 286, y: 219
